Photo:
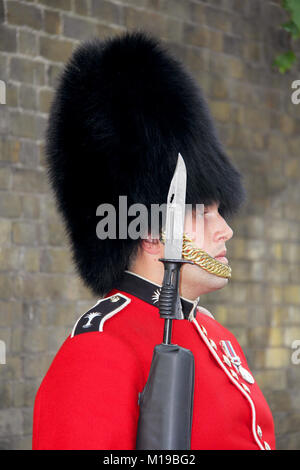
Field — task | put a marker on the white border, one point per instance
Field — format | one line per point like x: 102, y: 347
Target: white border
x: 236, y: 383
x: 109, y: 315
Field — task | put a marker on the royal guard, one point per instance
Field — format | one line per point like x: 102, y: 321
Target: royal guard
x: 126, y: 119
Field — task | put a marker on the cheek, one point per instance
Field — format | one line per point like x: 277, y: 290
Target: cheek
x: 196, y: 230
x: 203, y: 238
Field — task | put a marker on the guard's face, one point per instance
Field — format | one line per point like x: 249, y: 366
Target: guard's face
x: 212, y: 238
x: 213, y: 234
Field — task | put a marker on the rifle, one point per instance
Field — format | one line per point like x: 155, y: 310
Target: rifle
x: 166, y: 402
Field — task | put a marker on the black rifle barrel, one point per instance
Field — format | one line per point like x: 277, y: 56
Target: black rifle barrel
x: 166, y: 403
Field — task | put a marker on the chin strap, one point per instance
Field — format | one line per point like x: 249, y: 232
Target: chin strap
x: 191, y: 252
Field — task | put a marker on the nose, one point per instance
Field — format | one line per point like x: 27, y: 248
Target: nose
x: 224, y: 231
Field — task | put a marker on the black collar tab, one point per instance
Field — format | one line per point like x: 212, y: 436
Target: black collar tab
x: 149, y: 292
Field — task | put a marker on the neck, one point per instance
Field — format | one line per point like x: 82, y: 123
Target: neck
x: 149, y: 291
x: 153, y: 271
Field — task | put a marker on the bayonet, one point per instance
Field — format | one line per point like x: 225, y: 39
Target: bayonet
x: 175, y: 212
x: 169, y: 300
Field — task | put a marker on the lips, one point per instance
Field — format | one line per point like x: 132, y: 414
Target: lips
x: 221, y: 257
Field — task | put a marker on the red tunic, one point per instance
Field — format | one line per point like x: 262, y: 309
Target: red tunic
x: 89, y: 396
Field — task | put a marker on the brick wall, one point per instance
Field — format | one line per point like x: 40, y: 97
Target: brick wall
x: 229, y: 46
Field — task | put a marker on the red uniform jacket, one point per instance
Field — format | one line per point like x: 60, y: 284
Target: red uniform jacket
x: 89, y: 396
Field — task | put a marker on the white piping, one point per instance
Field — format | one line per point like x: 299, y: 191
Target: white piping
x: 141, y: 277
x: 128, y: 300
x: 109, y: 315
x: 74, y: 327
x: 232, y: 380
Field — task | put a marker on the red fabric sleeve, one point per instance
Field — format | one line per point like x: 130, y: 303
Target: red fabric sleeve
x: 89, y: 397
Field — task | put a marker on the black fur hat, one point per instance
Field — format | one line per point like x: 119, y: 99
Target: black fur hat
x: 123, y: 109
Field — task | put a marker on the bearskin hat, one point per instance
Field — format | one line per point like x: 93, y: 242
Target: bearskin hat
x: 123, y: 109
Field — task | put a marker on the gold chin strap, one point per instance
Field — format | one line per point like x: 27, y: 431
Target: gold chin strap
x: 199, y: 257
x: 191, y: 252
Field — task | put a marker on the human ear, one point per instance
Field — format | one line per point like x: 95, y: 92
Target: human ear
x: 151, y: 246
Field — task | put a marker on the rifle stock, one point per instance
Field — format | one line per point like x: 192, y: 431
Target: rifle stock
x: 166, y: 403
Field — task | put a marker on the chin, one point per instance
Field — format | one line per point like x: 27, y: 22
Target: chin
x: 221, y: 282
x: 199, y: 282
x: 211, y: 286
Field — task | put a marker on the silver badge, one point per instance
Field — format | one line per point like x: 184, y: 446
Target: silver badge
x: 246, y: 375
x: 236, y: 361
x: 155, y: 296
x: 90, y: 317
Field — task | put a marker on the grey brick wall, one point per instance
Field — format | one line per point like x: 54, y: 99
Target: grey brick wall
x: 229, y: 46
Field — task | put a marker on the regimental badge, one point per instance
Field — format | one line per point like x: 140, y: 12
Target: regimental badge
x: 90, y: 317
x: 94, y: 319
x: 155, y: 296
x: 236, y: 361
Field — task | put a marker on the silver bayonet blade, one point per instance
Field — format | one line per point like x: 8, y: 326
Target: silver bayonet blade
x: 175, y: 212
